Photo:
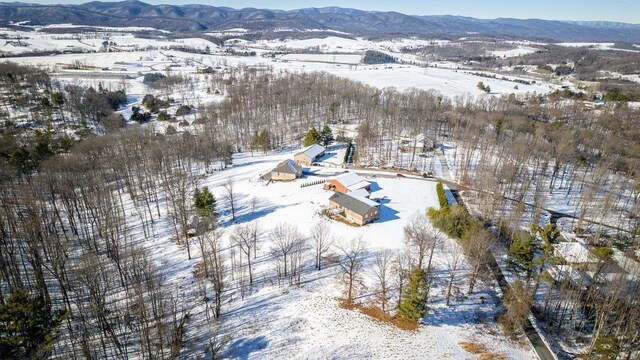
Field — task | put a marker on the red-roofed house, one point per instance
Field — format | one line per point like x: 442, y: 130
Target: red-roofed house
x: 347, y: 183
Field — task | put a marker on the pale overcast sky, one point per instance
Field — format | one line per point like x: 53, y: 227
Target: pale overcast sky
x: 580, y: 10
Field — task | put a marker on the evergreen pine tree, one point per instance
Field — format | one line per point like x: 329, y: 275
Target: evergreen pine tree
x: 549, y: 234
x: 442, y: 197
x: 261, y: 141
x: 523, y: 252
x: 205, y: 203
x: 312, y: 137
x: 27, y: 326
x: 413, y: 304
x: 326, y: 135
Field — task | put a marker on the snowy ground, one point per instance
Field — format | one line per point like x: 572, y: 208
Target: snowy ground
x: 274, y: 321
x: 339, y: 56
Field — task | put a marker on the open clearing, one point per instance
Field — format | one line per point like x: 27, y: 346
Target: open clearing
x: 277, y: 321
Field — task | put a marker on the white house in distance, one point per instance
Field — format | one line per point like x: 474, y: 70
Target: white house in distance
x: 309, y: 155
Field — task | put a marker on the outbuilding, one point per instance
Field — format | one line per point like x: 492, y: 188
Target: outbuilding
x: 309, y: 155
x: 349, y: 182
x: 287, y: 170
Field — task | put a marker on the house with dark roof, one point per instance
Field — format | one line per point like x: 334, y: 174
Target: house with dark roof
x: 287, y: 170
x: 309, y: 155
x: 358, y: 210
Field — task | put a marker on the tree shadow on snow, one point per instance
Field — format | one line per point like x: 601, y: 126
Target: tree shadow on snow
x: 248, y: 211
x: 242, y: 348
x: 474, y: 310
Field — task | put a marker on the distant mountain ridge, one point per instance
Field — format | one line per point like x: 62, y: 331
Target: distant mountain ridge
x: 197, y: 17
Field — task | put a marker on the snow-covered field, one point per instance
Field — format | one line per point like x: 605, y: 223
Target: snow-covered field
x: 519, y: 51
x: 274, y: 322
x: 449, y: 82
x: 36, y: 41
x: 328, y: 58
x: 339, y: 56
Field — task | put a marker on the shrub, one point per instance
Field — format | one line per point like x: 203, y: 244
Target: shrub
x: 171, y: 130
x: 139, y: 116
x: 607, y: 347
x: 442, y: 196
x: 163, y: 116
x: 184, y: 110
x: 454, y: 220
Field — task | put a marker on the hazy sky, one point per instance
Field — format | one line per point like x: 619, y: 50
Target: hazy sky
x: 612, y: 10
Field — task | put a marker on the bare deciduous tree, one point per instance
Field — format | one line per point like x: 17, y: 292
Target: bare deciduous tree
x: 382, y: 272
x: 322, y: 241
x: 243, y: 238
x: 418, y: 237
x: 285, y: 238
x: 229, y: 190
x: 353, y: 251
x: 454, y: 260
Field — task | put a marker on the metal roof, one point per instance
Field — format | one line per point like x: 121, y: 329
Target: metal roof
x: 352, y: 181
x: 359, y: 206
x: 312, y: 151
x: 574, y: 252
x: 288, y: 166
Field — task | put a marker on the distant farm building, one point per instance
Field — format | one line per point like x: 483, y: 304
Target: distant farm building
x: 348, y: 183
x: 357, y: 210
x: 287, y: 170
x: 309, y: 155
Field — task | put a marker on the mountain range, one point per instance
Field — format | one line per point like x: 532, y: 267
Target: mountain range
x: 198, y: 18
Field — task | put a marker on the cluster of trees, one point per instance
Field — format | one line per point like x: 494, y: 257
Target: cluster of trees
x: 39, y: 110
x: 373, y: 57
x: 154, y: 104
x: 323, y: 137
x: 601, y: 305
x: 484, y: 87
x: 72, y: 233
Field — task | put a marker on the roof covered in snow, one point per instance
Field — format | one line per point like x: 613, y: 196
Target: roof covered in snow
x: 352, y: 181
x: 570, y: 274
x: 360, y: 193
x: 312, y: 151
x: 574, y: 252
